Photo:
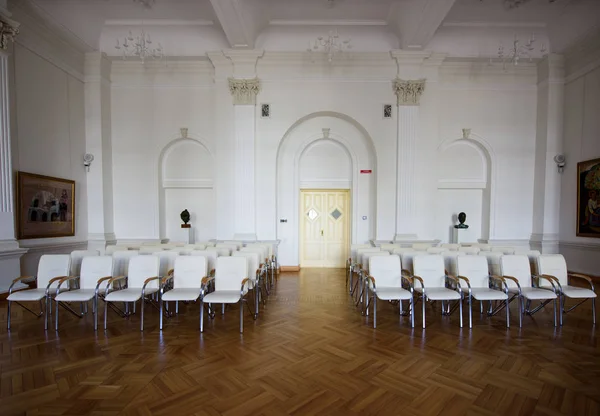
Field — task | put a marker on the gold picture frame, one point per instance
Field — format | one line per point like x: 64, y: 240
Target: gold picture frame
x: 588, y: 198
x: 45, y: 206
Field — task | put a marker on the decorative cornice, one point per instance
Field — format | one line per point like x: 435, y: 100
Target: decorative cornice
x: 244, y: 91
x: 9, y: 29
x: 408, y: 92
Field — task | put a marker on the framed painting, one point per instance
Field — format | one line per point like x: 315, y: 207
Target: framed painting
x: 588, y: 198
x: 45, y: 206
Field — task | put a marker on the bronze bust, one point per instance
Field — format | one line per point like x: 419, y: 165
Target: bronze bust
x: 185, y: 216
x: 462, y: 217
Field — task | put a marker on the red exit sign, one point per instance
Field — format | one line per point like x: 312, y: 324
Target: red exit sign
x: 366, y: 171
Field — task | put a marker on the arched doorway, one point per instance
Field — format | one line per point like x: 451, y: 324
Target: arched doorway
x: 186, y: 181
x: 346, y: 135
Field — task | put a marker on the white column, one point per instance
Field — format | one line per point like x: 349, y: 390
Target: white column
x: 98, y: 141
x: 408, y: 94
x: 548, y: 144
x: 10, y: 253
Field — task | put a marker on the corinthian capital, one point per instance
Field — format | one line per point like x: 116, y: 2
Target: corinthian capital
x: 408, y: 92
x: 244, y: 91
x: 9, y: 29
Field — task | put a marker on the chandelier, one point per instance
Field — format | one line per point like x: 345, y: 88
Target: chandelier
x: 140, y: 46
x: 518, y: 52
x: 331, y: 45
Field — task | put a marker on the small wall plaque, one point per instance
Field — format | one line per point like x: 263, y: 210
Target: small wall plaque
x: 265, y: 110
x: 387, y: 111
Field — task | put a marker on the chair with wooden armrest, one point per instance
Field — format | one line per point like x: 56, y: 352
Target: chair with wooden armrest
x: 77, y: 257
x: 187, y: 282
x: 253, y: 275
x: 431, y: 280
x: 264, y: 261
x: 142, y: 280
x: 473, y: 270
x: 516, y: 271
x: 51, y: 269
x: 95, y: 271
x: 554, y: 266
x: 385, y: 283
x: 357, y: 251
x: 231, y: 286
x: 365, y: 262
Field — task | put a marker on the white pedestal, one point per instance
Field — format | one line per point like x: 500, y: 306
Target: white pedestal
x: 191, y: 239
x: 458, y: 235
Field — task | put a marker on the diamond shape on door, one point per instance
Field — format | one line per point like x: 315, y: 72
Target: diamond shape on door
x: 336, y: 214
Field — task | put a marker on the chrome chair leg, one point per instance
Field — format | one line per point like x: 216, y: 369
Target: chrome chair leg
x: 241, y: 316
x: 8, y: 316
x: 201, y: 316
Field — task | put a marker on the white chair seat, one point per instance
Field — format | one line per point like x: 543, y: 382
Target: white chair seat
x: 128, y: 295
x: 222, y: 296
x: 393, y: 293
x: 534, y: 293
x: 183, y: 294
x: 79, y: 295
x: 440, y: 293
x: 482, y: 293
x: 31, y: 294
x: 577, y: 292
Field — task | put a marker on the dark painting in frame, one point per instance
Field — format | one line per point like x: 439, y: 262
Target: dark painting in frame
x: 45, y: 206
x: 588, y: 198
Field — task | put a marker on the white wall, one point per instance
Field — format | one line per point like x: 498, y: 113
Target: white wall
x: 581, y: 142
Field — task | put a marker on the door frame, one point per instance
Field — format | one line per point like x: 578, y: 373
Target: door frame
x: 348, y: 193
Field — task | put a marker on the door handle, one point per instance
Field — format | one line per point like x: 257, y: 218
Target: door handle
x: 321, y: 233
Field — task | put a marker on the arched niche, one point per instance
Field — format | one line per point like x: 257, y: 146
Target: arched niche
x: 325, y: 164
x: 304, y: 136
x: 465, y: 172
x: 186, y: 181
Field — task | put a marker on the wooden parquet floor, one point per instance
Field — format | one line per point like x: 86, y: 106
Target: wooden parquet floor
x: 310, y: 352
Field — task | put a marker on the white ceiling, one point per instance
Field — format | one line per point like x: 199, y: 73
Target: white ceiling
x: 463, y: 28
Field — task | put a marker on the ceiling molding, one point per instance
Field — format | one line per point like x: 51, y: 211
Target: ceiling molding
x: 494, y: 24
x: 327, y: 22
x: 158, y: 22
x: 235, y: 23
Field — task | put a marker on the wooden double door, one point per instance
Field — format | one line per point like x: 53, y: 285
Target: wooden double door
x: 324, y: 227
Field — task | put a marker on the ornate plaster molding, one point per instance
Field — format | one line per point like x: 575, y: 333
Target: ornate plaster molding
x: 244, y: 91
x: 9, y: 29
x: 408, y: 92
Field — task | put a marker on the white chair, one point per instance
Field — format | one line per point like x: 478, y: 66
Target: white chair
x: 121, y: 262
x: 352, y: 263
x: 422, y: 246
x: 211, y: 259
x: 385, y: 283
x: 51, y: 269
x: 357, y: 266
x: 152, y: 249
x: 451, y: 246
x: 231, y: 286
x: 167, y: 261
x: 264, y: 260
x: 450, y: 261
x: 195, y: 246
x: 188, y: 278
x: 221, y: 251
x: 503, y: 250
x: 554, y: 267
x: 111, y: 249
x: 389, y: 247
x: 436, y: 250
x: 76, y: 258
x: 142, y: 280
x: 429, y: 279
x: 407, y: 259
x: 230, y: 247
x: 533, y: 258
x: 474, y: 271
x: 493, y: 260
x: 95, y: 272
x: 253, y: 275
x: 237, y: 244
x: 516, y: 273
x: 364, y: 272
x: 469, y: 250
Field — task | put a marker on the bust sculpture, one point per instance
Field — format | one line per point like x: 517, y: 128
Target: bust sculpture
x: 185, y: 216
x: 462, y: 217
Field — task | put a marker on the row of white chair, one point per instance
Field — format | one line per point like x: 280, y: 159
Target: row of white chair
x: 387, y: 278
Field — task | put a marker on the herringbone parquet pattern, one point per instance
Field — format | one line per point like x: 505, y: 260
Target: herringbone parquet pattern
x: 310, y: 352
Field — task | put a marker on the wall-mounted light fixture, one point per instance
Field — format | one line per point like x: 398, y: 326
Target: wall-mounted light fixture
x: 88, y: 158
x: 560, y: 162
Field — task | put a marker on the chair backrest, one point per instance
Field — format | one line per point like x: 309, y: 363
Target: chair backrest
x: 474, y: 268
x: 195, y: 246
x: 141, y: 268
x: 504, y: 250
x: 451, y: 246
x: 367, y: 256
x: 361, y: 251
x: 76, y: 258
x: 150, y: 243
x: 189, y: 271
x: 493, y: 259
x: 262, y: 252
x: 209, y: 255
x: 517, y: 266
x: 221, y: 251
x: 533, y: 256
x: 430, y: 268
x: 230, y: 247
x: 150, y: 249
x: 355, y: 247
x: 387, y: 270
x: 389, y: 247
x: 400, y: 250
x: 182, y: 251
x: 469, y: 250
x: 407, y: 258
x: 422, y: 246
x: 51, y: 266
x: 553, y: 265
x: 121, y: 262
x: 436, y: 250
x: 450, y: 260
x: 230, y: 272
x: 167, y: 261
x: 237, y: 244
x: 109, y: 250
x: 252, y: 259
x: 93, y: 268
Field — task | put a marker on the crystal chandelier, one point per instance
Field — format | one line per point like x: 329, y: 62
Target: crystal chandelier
x: 140, y: 46
x: 518, y: 52
x: 331, y: 45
